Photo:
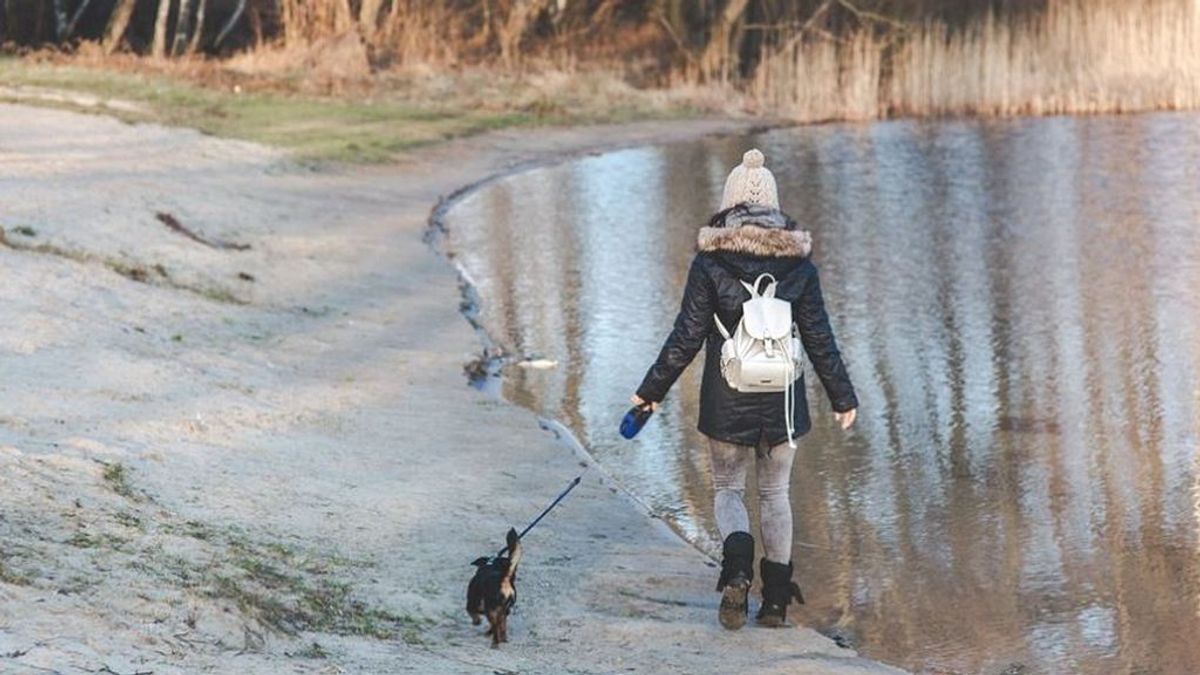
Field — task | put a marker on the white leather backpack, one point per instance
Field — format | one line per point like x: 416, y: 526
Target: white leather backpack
x: 763, y: 353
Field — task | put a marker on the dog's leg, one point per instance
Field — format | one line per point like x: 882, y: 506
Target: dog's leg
x: 503, y: 626
x: 475, y: 606
x: 495, y: 619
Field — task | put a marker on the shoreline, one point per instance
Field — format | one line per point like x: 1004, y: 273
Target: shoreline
x: 317, y: 433
x: 485, y: 371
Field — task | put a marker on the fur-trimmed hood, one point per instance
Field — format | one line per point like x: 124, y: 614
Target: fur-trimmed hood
x: 756, y: 230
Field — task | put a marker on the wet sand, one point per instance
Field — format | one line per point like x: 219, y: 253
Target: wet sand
x: 267, y: 460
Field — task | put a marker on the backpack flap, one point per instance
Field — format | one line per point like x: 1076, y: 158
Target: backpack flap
x: 767, y: 318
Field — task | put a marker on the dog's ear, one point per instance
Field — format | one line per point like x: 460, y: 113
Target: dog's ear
x: 480, y: 562
x: 512, y: 538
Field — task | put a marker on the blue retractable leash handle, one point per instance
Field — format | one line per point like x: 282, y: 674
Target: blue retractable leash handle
x: 635, y: 419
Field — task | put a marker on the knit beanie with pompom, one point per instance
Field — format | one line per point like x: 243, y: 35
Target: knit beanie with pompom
x: 750, y: 183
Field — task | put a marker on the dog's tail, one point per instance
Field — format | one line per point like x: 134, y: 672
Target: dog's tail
x: 514, y: 551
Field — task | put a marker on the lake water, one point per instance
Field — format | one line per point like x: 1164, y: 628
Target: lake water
x: 1018, y: 302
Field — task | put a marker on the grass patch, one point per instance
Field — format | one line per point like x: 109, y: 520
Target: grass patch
x: 375, y: 121
x: 278, y: 586
x: 118, y: 480
x: 194, y: 529
x: 85, y: 540
x: 312, y: 127
x: 128, y: 519
x: 271, y: 585
x: 312, y: 651
x: 135, y: 272
x: 12, y: 577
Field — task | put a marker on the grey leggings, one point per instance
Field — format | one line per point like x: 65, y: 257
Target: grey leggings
x: 773, y: 469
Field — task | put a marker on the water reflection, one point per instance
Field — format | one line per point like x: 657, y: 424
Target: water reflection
x: 1017, y: 301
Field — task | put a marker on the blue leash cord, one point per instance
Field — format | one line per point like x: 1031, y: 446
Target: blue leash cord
x: 553, y: 504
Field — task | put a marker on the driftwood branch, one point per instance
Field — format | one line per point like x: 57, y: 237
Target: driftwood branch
x: 174, y: 225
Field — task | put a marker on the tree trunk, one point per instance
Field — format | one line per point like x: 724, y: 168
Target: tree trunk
x: 183, y: 28
x: 229, y: 25
x: 74, y: 21
x: 513, y: 28
x: 159, y: 48
x: 117, y: 25
x: 198, y: 31
x: 60, y: 18
x: 714, y: 62
x: 256, y: 25
x: 368, y: 18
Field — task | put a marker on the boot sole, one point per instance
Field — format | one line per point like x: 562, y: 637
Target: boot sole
x: 771, y: 621
x: 734, y: 604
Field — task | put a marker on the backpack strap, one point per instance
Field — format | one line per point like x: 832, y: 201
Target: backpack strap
x: 721, y: 327
x: 753, y: 288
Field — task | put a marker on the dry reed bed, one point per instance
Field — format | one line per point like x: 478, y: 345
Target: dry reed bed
x: 1077, y: 57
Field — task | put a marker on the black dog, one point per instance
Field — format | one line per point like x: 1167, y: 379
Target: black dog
x: 493, y: 591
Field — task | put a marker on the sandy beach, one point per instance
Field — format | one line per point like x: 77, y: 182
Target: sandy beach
x: 244, y: 443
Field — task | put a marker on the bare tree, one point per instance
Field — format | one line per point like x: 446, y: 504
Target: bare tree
x: 716, y: 59
x: 368, y: 17
x: 198, y: 30
x: 512, y: 29
x: 159, y: 47
x: 183, y: 27
x: 74, y: 20
x: 118, y: 23
x: 230, y: 24
x: 60, y: 18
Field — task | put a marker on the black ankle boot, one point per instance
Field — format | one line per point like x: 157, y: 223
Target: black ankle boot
x: 737, y: 572
x: 778, y: 591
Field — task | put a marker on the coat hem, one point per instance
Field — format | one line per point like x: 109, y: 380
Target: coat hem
x: 771, y: 442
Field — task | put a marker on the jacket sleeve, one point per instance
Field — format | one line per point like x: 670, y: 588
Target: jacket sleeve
x: 692, y: 326
x: 822, y: 349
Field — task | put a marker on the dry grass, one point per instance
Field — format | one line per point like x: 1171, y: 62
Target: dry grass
x: 1080, y: 56
x: 294, y: 98
x: 337, y: 87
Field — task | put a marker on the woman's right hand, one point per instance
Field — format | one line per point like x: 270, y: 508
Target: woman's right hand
x: 639, y: 402
x: 846, y: 419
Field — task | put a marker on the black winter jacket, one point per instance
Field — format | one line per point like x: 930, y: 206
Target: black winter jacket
x: 731, y: 249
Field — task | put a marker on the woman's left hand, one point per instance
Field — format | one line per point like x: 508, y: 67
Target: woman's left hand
x: 637, y: 400
x: 846, y: 419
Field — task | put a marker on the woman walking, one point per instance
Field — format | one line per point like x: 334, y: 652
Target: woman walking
x: 748, y: 238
